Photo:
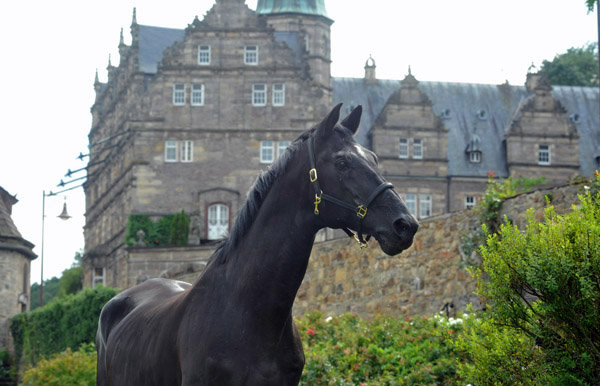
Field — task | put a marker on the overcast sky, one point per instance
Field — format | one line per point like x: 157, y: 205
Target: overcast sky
x: 51, y: 50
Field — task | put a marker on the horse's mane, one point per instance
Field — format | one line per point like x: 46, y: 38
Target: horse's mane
x: 255, y: 197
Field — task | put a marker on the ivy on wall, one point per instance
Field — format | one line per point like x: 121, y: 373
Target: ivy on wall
x: 170, y: 229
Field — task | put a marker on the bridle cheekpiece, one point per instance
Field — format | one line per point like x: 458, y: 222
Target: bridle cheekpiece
x: 360, y: 210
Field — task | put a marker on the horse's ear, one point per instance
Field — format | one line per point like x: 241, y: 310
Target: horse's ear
x: 352, y: 121
x: 330, y: 120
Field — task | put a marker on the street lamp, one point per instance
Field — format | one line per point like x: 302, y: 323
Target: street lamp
x: 63, y: 216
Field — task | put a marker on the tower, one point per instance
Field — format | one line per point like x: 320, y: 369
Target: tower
x: 309, y: 20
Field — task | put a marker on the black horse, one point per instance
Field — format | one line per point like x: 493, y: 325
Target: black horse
x: 234, y: 325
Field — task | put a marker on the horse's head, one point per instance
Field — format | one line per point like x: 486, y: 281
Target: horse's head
x: 349, y: 190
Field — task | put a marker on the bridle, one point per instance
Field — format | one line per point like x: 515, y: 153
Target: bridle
x: 360, y: 210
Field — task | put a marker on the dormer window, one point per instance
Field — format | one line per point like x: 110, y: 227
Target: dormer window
x: 251, y: 55
x: 474, y: 149
x: 446, y: 114
x: 475, y: 157
x: 482, y: 115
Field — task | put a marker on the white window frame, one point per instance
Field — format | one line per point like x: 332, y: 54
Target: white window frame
x: 410, y: 199
x: 475, y: 157
x: 544, y: 153
x: 470, y: 202
x: 197, y: 94
x: 251, y: 55
x: 179, y: 94
x: 221, y: 212
x: 204, y: 55
x: 403, y: 150
x: 281, y: 147
x: 278, y: 94
x: 259, y: 97
x: 425, y: 205
x: 267, y: 152
x: 170, y: 146
x: 187, y: 151
x: 418, y: 148
x: 98, y: 279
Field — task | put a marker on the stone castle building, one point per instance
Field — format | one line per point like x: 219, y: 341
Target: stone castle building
x: 16, y: 254
x: 189, y: 117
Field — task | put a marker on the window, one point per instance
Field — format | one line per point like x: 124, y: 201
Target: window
x: 325, y: 46
x: 197, y: 95
x: 470, y: 202
x: 411, y: 203
x: 218, y: 221
x: 251, y: 55
x: 266, y: 152
x: 418, y: 148
x: 259, y: 95
x: 204, y: 55
x: 544, y: 155
x: 403, y: 149
x: 170, y: 151
x: 475, y: 156
x: 424, y: 205
x: 281, y: 147
x: 307, y: 42
x: 187, y: 151
x: 178, y: 94
x: 98, y: 277
x: 279, y: 94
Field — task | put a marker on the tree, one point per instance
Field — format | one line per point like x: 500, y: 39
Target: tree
x: 590, y: 4
x: 576, y: 67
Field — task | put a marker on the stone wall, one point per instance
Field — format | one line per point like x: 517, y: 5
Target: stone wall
x: 421, y: 280
x: 14, y: 290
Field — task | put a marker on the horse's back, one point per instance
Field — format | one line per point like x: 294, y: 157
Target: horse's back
x: 149, y: 293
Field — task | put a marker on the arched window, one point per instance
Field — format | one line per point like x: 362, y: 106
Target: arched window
x: 218, y: 221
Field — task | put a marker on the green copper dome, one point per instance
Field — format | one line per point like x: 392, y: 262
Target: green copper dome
x: 307, y: 7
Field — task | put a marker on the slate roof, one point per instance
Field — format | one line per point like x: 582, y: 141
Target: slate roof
x: 481, y: 110
x: 10, y: 238
x: 152, y: 42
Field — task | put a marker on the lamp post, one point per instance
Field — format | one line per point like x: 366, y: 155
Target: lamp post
x: 63, y: 216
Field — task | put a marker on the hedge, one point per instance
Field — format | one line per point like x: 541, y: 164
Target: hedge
x: 66, y: 322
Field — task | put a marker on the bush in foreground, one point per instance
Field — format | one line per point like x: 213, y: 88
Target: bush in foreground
x: 69, y: 368
x: 347, y: 350
x: 542, y: 288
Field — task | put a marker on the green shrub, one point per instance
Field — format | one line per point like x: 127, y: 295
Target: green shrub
x: 179, y: 229
x: 347, y: 350
x: 69, y: 368
x: 66, y: 322
x: 170, y: 229
x: 541, y: 288
x: 7, y: 369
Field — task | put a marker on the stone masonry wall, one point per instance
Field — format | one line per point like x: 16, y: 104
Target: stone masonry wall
x: 421, y: 280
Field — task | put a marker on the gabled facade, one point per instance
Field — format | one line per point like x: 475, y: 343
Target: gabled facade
x: 189, y: 117
x: 542, y: 136
x: 412, y: 145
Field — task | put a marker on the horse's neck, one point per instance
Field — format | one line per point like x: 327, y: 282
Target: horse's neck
x: 271, y: 259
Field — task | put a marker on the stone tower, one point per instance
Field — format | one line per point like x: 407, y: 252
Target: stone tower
x: 309, y: 19
x: 15, y: 263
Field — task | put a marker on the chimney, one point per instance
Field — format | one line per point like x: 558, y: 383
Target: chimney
x: 370, y: 66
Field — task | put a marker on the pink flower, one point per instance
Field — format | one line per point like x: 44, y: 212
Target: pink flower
x: 491, y: 174
x: 310, y: 332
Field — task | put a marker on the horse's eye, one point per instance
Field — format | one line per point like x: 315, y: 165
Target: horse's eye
x: 341, y: 164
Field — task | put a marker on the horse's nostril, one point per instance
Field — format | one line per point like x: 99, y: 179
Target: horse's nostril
x: 403, y: 227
